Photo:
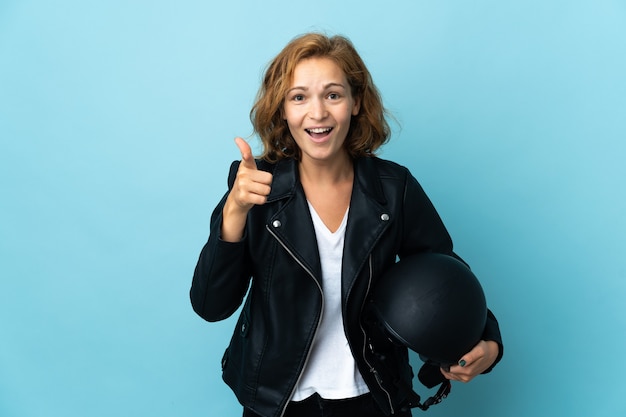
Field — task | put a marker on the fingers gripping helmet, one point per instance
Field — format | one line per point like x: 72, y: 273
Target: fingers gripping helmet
x: 431, y: 303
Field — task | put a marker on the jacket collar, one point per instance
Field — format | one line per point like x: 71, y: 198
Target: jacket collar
x: 285, y: 180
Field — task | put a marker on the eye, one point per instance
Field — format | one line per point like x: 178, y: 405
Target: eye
x: 297, y: 97
x: 334, y: 96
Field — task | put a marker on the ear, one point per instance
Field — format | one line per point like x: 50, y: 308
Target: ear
x: 357, y: 106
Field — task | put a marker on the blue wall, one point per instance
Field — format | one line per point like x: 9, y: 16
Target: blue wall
x: 116, y: 127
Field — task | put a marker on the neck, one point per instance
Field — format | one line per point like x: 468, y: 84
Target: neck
x: 327, y: 172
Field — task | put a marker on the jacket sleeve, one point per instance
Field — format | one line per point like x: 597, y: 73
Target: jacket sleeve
x: 425, y: 231
x: 492, y: 332
x: 221, y: 277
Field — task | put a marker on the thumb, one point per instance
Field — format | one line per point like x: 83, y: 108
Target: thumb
x: 246, y: 153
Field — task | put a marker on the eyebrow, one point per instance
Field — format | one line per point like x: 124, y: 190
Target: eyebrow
x: 326, y: 87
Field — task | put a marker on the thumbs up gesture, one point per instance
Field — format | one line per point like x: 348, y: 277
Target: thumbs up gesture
x: 251, y: 187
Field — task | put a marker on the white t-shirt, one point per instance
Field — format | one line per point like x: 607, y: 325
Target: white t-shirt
x: 331, y: 370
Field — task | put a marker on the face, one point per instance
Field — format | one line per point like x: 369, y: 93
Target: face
x: 318, y: 108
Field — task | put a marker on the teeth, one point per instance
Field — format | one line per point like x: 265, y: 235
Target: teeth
x: 320, y: 130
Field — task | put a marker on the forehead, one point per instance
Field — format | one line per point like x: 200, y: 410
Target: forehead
x: 317, y: 69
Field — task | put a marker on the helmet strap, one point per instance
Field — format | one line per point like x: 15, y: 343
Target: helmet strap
x: 415, y: 401
x: 442, y: 392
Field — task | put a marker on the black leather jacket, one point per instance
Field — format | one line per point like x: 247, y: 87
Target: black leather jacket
x: 390, y: 215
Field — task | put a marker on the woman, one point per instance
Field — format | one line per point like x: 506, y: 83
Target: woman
x: 308, y: 229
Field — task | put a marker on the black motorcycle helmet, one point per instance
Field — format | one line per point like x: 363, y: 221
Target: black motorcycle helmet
x: 433, y: 304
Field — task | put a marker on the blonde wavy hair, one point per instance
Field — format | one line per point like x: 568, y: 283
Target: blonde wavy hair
x: 368, y: 130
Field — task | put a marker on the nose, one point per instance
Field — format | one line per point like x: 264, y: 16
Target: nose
x: 317, y: 109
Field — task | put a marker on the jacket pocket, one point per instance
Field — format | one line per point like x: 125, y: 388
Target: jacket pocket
x: 240, y: 361
x: 241, y: 332
x: 237, y: 347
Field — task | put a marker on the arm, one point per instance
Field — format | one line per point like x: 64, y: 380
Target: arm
x: 220, y: 279
x: 431, y: 234
x: 223, y: 273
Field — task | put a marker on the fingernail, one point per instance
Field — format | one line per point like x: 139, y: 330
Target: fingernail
x: 462, y: 363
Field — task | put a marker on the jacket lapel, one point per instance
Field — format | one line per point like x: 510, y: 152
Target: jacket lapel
x: 367, y: 220
x: 292, y: 224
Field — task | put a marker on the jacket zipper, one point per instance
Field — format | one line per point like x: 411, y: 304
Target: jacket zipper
x: 319, y: 320
x: 372, y: 369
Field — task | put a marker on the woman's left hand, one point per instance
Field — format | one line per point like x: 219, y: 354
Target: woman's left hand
x: 473, y: 363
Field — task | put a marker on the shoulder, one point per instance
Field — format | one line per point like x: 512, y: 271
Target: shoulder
x: 383, y: 168
x: 380, y: 178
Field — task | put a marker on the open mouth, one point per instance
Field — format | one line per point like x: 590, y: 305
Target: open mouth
x: 319, y: 132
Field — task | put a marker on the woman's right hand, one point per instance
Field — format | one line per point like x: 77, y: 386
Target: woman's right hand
x: 251, y: 187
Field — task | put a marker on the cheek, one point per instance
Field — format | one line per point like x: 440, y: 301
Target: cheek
x: 347, y: 117
x: 290, y: 116
x: 290, y: 123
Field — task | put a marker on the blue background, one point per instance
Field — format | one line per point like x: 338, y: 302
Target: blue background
x: 117, y: 121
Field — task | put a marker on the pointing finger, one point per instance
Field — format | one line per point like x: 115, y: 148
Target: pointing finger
x: 246, y: 153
